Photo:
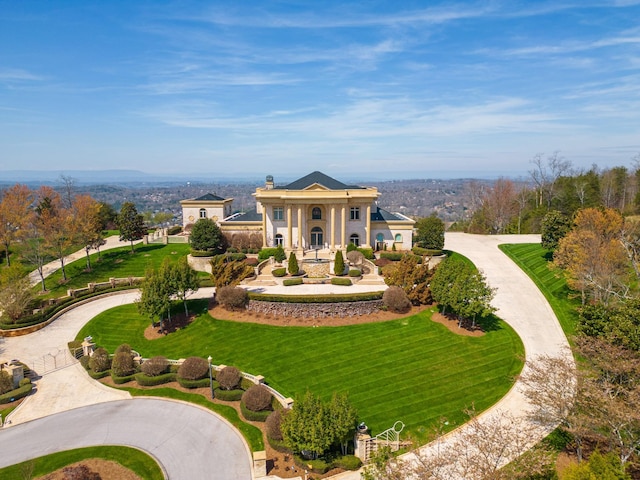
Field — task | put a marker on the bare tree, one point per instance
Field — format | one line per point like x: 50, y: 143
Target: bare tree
x: 545, y: 175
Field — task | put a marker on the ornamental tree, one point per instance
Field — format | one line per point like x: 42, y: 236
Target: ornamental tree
x: 131, y: 224
x: 430, y: 232
x: 206, y: 236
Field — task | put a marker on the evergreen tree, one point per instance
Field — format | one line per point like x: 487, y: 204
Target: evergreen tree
x: 554, y: 226
x: 338, y: 266
x: 430, y: 233
x: 131, y: 224
x: 293, y: 264
x: 185, y: 281
x: 206, y: 236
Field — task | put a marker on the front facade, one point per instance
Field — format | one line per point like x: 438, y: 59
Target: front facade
x: 316, y: 212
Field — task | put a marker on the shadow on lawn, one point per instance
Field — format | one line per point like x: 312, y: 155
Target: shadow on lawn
x: 490, y: 323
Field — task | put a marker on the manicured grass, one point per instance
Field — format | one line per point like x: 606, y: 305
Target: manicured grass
x: 252, y: 435
x: 534, y: 261
x: 117, y: 263
x: 133, y: 459
x: 410, y: 369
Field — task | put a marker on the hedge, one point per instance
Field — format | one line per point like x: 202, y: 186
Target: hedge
x: 201, y: 253
x: 397, y: 256
x: 278, y: 445
x: 367, y: 252
x: 228, y: 395
x: 254, y: 416
x: 426, y: 251
x: 98, y: 375
x: 279, y: 272
x: 341, y: 281
x: 347, y: 462
x: 146, y: 381
x: 277, y: 253
x: 354, y: 272
x: 16, y: 394
x: 120, y: 380
x: 335, y: 298
x: 289, y: 282
x: 203, y: 382
x: 230, y: 256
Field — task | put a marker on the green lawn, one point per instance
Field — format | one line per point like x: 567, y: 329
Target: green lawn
x: 118, y: 263
x: 534, y: 261
x: 411, y: 369
x: 133, y: 459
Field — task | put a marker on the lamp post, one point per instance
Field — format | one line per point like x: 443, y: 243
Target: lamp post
x: 210, y: 377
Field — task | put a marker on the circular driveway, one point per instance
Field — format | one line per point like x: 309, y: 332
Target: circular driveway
x: 191, y: 442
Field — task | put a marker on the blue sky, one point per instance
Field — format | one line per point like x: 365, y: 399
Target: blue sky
x: 366, y: 89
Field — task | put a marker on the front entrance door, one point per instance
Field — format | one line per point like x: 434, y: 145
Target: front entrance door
x: 317, y: 240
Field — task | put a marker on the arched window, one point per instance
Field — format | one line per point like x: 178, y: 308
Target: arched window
x: 279, y: 239
x: 317, y: 239
x: 203, y: 213
x: 399, y: 237
x: 355, y: 239
x: 380, y: 237
x: 316, y: 213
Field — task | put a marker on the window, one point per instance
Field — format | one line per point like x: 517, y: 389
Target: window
x: 203, y: 213
x: 355, y: 239
x: 278, y: 213
x: 398, y: 237
x: 316, y: 237
x: 355, y: 213
x: 316, y: 213
x: 279, y: 239
x: 380, y: 237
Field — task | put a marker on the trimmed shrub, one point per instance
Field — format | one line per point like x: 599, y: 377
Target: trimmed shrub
x: 288, y: 282
x: 279, y: 272
x: 6, y: 382
x: 341, y: 281
x: 99, y: 375
x: 355, y: 257
x: 155, y: 366
x: 100, y: 361
x: 251, y: 261
x: 194, y: 368
x: 176, y: 229
x: 125, y: 347
x: 352, y: 247
x: 230, y: 256
x: 228, y: 395
x: 354, y: 272
x: 338, y: 265
x: 426, y: 251
x: 203, y: 382
x: 367, y: 252
x: 122, y: 364
x: 16, y: 394
x: 232, y: 298
x: 276, y: 252
x: 252, y: 416
x: 84, y: 361
x: 347, y: 462
x: 229, y: 378
x: 396, y: 300
x: 200, y: 253
x: 334, y: 298
x: 393, y: 256
x: 24, y: 381
x: 257, y: 398
x: 293, y: 264
x: 150, y: 381
x: 272, y: 425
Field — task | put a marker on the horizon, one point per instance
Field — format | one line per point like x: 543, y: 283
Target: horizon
x: 449, y: 90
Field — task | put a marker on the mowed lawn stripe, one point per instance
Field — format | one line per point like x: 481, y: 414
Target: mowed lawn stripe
x: 411, y: 369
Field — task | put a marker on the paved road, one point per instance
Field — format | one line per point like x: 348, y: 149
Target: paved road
x: 190, y: 442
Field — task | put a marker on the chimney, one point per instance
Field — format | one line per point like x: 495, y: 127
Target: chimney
x: 269, y: 183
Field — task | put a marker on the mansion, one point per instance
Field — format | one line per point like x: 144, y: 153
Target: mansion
x: 311, y: 213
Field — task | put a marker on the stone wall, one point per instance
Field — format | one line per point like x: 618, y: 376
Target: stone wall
x: 315, y: 310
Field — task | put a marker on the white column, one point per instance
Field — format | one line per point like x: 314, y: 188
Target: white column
x: 333, y: 227
x: 300, y: 228
x: 264, y: 226
x: 343, y: 234
x: 367, y: 240
x: 289, y: 228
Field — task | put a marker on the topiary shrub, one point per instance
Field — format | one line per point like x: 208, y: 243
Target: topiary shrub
x: 254, y: 416
x: 257, y: 398
x: 229, y: 378
x: 6, y: 382
x: 124, y: 347
x: 352, y: 247
x: 122, y: 364
x: 155, y: 366
x: 396, y: 300
x: 232, y: 298
x: 355, y: 257
x: 228, y: 395
x: 272, y: 425
x: 293, y: 264
x: 100, y: 361
x: 354, y: 272
x: 279, y: 272
x: 338, y: 265
x: 345, y: 282
x: 289, y: 282
x: 194, y: 368
x: 150, y: 381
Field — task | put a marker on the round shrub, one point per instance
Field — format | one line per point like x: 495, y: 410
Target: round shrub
x: 155, y: 366
x: 381, y: 262
x: 122, y: 364
x: 100, y: 361
x: 347, y: 462
x: 24, y: 381
x: 355, y: 257
x: 257, y: 398
x: 228, y: 395
x: 6, y: 382
x: 194, y: 368
x: 123, y: 348
x: 354, y: 272
x: 229, y: 378
x: 396, y: 300
x: 232, y: 298
x: 272, y: 425
x: 341, y: 281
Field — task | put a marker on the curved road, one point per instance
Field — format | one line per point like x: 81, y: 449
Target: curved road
x: 190, y: 442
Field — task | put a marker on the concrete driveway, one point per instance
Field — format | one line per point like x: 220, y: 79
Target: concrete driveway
x: 190, y: 442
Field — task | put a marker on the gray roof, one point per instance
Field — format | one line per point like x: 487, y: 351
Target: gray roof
x: 209, y: 197
x: 319, y: 178
x: 382, y: 215
x: 250, y: 216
